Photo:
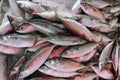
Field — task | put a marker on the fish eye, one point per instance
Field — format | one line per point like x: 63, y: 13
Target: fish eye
x: 21, y: 28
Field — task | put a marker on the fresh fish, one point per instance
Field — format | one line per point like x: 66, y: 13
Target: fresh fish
x: 58, y: 41
x: 55, y: 24
x: 35, y: 61
x: 30, y: 5
x: 104, y: 28
x: 105, y: 55
x: 84, y: 58
x: 64, y: 65
x: 88, y: 21
x: 94, y: 24
x: 53, y: 15
x: 65, y: 40
x: 105, y: 73
x: 47, y: 28
x: 78, y: 28
x: 18, y: 40
x: 55, y: 73
x: 92, y: 11
x: 79, y: 50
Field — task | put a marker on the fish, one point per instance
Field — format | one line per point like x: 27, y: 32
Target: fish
x: 64, y: 65
x: 78, y: 28
x: 104, y: 28
x: 84, y: 58
x: 105, y: 73
x: 30, y: 5
x: 18, y: 40
x: 88, y: 21
x: 105, y: 55
x: 92, y: 11
x: 47, y: 28
x: 94, y: 24
x: 35, y: 61
x: 55, y: 73
x: 65, y: 40
x: 60, y: 40
x: 79, y: 50
x: 55, y: 15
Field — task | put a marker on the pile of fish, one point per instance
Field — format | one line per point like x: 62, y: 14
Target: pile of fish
x: 80, y: 44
